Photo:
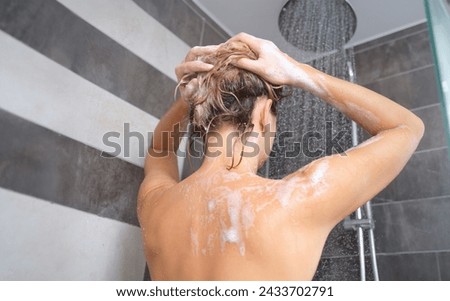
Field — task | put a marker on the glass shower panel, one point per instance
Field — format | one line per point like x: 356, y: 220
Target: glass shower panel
x: 438, y: 16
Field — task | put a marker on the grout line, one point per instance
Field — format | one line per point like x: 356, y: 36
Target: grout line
x: 202, y: 32
x: 338, y: 256
x: 438, y: 267
x: 193, y: 9
x: 425, y: 107
x: 430, y: 150
x: 398, y: 74
x: 387, y: 254
x: 214, y: 27
x: 411, y: 200
x: 412, y: 252
x: 205, y: 20
x: 391, y: 40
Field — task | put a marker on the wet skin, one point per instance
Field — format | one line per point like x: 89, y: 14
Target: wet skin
x: 234, y: 225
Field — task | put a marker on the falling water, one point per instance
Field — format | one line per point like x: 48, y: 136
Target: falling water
x: 306, y: 124
x: 317, y: 25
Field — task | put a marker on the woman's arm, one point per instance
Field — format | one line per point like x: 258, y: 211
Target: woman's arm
x: 374, y: 112
x: 339, y: 184
x: 161, y: 169
x: 370, y: 110
x: 161, y: 159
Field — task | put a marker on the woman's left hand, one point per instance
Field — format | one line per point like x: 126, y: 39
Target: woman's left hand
x: 193, y: 64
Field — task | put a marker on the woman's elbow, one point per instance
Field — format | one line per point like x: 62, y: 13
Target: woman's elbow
x: 415, y: 129
x: 419, y: 127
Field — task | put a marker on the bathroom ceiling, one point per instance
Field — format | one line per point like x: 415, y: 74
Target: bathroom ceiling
x: 375, y: 18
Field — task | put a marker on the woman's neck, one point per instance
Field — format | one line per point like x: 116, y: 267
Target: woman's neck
x: 225, y: 150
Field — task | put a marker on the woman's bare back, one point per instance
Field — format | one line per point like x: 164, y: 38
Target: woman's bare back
x: 230, y: 226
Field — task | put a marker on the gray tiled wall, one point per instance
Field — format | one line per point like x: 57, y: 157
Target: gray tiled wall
x: 53, y: 161
x: 341, y: 268
x: 41, y: 163
x: 186, y: 20
x: 108, y: 65
x: 411, y: 214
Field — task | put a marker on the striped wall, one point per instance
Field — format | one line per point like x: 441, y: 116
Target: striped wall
x: 72, y: 72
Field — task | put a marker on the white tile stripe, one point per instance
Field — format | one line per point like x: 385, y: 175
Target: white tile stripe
x: 44, y: 92
x: 46, y: 241
x: 126, y: 23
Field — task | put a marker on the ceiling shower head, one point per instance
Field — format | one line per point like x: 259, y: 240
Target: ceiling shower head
x: 317, y: 26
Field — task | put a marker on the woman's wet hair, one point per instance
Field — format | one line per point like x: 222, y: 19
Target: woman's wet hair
x: 226, y: 94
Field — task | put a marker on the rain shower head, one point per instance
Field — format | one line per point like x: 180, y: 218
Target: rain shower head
x: 317, y: 26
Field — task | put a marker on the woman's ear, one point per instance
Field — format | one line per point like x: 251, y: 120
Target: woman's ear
x: 266, y: 113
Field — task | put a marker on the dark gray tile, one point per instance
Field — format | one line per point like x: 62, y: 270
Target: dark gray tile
x: 393, y: 36
x: 375, y: 86
x: 56, y: 32
x: 207, y: 18
x: 176, y: 16
x: 411, y: 90
x: 426, y: 175
x: 382, y: 198
x: 186, y: 20
x: 41, y: 163
x: 398, y: 89
x: 423, y: 89
x: 366, y: 70
x: 292, y: 149
x: 444, y: 265
x: 212, y: 36
x: 435, y: 133
x: 420, y: 225
x: 342, y: 269
x: 408, y: 267
x: 394, y: 57
x: 340, y: 242
x: 343, y: 242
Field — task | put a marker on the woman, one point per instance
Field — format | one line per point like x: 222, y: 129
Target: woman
x: 226, y: 223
